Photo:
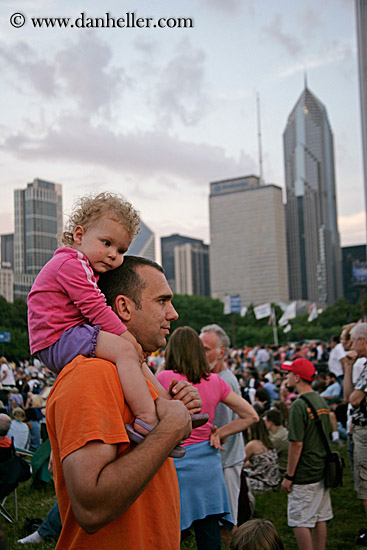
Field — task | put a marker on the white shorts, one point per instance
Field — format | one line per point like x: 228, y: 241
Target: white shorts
x: 232, y: 478
x: 308, y: 505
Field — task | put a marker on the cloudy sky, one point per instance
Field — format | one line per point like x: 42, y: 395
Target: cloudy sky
x: 158, y: 113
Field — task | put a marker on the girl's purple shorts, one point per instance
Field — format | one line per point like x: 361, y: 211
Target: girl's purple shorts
x: 78, y: 340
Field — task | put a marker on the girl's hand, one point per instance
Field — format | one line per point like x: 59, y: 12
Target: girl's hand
x: 215, y: 440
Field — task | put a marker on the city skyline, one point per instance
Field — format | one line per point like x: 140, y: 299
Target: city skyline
x: 158, y: 114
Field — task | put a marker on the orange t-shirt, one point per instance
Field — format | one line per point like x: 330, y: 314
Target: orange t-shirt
x: 87, y: 404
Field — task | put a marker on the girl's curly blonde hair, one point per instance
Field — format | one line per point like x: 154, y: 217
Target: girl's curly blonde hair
x: 89, y: 209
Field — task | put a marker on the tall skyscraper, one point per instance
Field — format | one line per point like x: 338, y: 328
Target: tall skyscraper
x: 192, y: 269
x: 38, y: 225
x: 361, y: 16
x: 314, y: 256
x: 168, y: 257
x: 143, y: 243
x: 247, y: 241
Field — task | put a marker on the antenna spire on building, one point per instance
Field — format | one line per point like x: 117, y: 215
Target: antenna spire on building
x: 259, y: 139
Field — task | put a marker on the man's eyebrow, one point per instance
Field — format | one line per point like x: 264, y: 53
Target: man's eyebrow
x: 165, y: 297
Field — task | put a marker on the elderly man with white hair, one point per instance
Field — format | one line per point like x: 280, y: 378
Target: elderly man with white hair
x: 216, y: 344
x: 357, y: 397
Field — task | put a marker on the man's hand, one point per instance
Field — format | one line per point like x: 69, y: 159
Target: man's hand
x: 286, y: 485
x: 173, y: 417
x: 186, y: 393
x: 351, y: 356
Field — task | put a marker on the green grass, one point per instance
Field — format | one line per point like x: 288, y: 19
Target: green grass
x: 349, y: 516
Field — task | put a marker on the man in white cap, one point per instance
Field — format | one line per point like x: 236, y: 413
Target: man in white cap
x: 309, y: 505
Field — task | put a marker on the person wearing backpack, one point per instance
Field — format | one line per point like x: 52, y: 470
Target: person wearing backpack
x: 309, y: 504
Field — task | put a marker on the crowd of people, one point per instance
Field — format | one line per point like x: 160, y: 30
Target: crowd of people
x: 256, y: 448
x: 197, y: 428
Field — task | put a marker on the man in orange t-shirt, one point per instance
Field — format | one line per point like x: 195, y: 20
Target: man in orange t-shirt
x: 112, y: 495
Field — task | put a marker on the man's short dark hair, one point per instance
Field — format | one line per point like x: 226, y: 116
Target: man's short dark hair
x: 125, y: 280
x: 274, y: 416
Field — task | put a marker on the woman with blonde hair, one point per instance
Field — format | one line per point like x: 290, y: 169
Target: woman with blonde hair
x: 203, y: 492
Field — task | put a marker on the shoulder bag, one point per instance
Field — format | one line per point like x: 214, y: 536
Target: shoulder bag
x: 333, y: 475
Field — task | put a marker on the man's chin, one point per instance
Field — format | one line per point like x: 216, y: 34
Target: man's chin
x: 154, y: 347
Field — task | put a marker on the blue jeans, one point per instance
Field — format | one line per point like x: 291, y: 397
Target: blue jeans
x: 207, y: 533
x: 52, y: 526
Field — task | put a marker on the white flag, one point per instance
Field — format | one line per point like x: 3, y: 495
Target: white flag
x: 244, y: 311
x: 227, y: 305
x: 290, y: 313
x: 287, y: 328
x: 264, y: 310
x: 312, y: 312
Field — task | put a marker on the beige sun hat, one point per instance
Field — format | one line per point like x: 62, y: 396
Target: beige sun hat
x: 19, y: 414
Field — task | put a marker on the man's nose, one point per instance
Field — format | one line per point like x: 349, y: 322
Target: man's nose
x: 172, y: 314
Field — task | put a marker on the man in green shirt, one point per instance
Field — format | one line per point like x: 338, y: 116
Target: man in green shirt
x: 309, y: 505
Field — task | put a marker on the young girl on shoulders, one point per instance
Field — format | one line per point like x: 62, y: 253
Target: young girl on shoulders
x: 67, y: 313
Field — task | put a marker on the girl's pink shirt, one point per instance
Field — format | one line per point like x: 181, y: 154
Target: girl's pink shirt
x: 65, y: 294
x: 212, y: 392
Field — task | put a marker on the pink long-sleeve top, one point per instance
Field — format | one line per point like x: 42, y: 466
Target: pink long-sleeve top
x: 65, y: 294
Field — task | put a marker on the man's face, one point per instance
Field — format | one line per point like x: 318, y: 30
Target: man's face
x: 212, y: 349
x: 291, y: 380
x: 267, y: 423
x: 359, y: 346
x: 151, y: 323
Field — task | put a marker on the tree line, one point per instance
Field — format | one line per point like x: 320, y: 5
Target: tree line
x: 197, y: 311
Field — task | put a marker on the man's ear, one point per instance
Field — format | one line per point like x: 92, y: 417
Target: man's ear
x: 78, y: 234
x: 123, y: 307
x: 222, y: 353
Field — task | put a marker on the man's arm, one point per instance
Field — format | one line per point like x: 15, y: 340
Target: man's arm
x: 294, y: 452
x: 101, y: 487
x: 348, y: 373
x: 356, y: 397
x: 343, y: 362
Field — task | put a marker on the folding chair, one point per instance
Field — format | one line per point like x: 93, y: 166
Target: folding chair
x: 13, y: 469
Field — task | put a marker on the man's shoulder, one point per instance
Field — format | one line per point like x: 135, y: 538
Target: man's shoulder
x: 281, y: 432
x: 84, y: 375
x: 229, y: 378
x: 340, y: 351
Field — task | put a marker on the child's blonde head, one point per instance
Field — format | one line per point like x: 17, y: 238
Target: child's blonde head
x: 89, y: 209
x: 256, y: 534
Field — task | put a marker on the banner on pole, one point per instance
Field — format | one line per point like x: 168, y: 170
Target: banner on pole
x: 262, y: 311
